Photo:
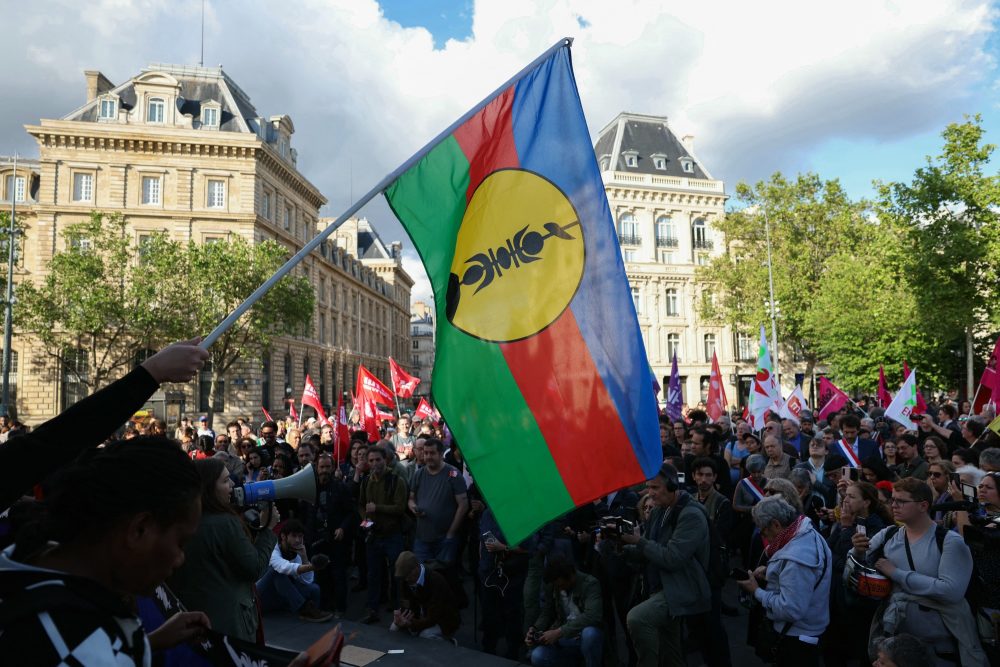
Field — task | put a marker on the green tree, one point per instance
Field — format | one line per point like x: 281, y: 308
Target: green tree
x: 947, y: 217
x: 103, y: 296
x: 217, y: 277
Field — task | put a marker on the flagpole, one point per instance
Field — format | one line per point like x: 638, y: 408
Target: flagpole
x: 388, y: 180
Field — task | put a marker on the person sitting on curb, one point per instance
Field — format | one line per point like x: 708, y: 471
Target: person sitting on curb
x: 428, y: 606
x: 288, y: 582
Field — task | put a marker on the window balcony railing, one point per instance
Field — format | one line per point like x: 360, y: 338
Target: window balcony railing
x: 629, y: 239
x: 703, y: 244
x: 666, y: 242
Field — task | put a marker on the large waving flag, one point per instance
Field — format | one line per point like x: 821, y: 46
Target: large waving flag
x: 717, y: 402
x: 883, y: 396
x: 921, y: 403
x: 831, y: 398
x: 535, y: 320
x: 342, y: 434
x: 675, y: 403
x: 793, y: 406
x: 764, y: 392
x: 370, y: 386
x: 403, y: 383
x: 989, y: 382
x: 905, y: 403
x: 310, y: 397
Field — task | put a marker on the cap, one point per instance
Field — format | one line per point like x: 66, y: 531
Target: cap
x: 203, y: 418
x: 406, y: 563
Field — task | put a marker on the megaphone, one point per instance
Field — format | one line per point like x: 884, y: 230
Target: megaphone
x: 300, y: 486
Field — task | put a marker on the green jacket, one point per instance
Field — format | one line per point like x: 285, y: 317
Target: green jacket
x: 220, y: 567
x: 680, y: 556
x: 586, y: 595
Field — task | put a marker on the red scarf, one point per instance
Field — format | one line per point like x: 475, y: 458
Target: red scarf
x: 784, y: 537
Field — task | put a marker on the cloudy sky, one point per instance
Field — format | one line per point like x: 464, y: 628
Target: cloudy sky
x: 855, y: 90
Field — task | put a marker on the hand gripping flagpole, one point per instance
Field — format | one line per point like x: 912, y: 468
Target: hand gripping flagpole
x: 248, y: 303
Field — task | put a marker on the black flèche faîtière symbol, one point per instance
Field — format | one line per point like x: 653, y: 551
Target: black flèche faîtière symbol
x: 523, y: 248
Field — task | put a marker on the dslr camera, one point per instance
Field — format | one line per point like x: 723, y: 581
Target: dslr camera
x: 613, y: 527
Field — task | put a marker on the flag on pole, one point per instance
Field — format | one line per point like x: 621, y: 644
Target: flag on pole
x: 883, y: 396
x: 921, y: 403
x: 656, y: 384
x: 831, y: 398
x: 342, y: 435
x: 716, y: 392
x: 310, y: 397
x: 267, y: 415
x: 905, y: 403
x: 989, y: 382
x: 369, y: 385
x: 424, y: 410
x: 793, y: 405
x: 291, y: 410
x: 764, y: 391
x: 675, y: 403
x: 535, y: 319
x: 368, y: 415
x: 994, y: 425
x: 402, y: 382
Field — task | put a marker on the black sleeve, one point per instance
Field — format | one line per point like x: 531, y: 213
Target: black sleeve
x: 28, y: 459
x: 724, y: 519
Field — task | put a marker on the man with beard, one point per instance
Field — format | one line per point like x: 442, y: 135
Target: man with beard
x: 329, y: 526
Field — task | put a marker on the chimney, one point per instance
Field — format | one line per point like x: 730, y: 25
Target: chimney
x: 97, y: 84
x: 688, y: 141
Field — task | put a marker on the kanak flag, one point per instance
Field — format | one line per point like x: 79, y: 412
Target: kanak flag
x: 716, y: 392
x: 831, y: 398
x: 403, y: 383
x: 883, y: 396
x: 424, y: 411
x: 310, y: 397
x: 371, y: 386
x: 793, y: 405
x: 921, y: 408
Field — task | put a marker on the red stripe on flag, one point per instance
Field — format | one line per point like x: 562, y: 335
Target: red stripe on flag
x: 575, y: 414
x: 487, y: 140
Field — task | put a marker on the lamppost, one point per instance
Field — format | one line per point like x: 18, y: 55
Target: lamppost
x: 8, y: 323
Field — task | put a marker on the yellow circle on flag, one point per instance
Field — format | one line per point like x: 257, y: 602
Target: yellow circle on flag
x: 519, y: 258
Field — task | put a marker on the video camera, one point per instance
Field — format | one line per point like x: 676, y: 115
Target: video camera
x: 613, y: 527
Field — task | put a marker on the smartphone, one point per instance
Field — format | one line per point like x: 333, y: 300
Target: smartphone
x: 861, y: 529
x: 681, y: 478
x: 955, y: 479
x: 969, y: 493
x: 851, y: 474
x: 738, y: 574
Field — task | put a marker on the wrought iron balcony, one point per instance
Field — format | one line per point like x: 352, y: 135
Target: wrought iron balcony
x: 629, y: 239
x: 703, y: 244
x: 666, y: 242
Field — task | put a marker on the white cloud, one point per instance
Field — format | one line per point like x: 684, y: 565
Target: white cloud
x: 760, y: 84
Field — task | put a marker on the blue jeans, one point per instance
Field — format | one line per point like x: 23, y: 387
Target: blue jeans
x: 380, y: 549
x: 283, y: 591
x: 589, y: 645
x: 443, y: 550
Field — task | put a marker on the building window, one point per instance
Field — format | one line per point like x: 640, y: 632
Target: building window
x: 699, y: 233
x: 288, y: 376
x: 673, y: 302
x: 265, y: 205
x: 416, y: 344
x: 666, y: 236
x: 628, y: 229
x: 709, y: 347
x: 333, y: 330
x: 210, y: 117
x: 306, y: 367
x: 109, y: 108
x: 205, y: 390
x: 322, y: 328
x: 154, y: 110
x: 265, y: 380
x: 687, y: 165
x: 605, y: 164
x: 83, y: 187
x: 322, y: 381
x: 673, y: 346
x: 14, y: 188
x: 628, y: 255
x: 745, y: 348
x: 75, y: 375
x: 660, y: 163
x: 322, y: 289
x: 216, y: 193
x: 637, y: 300
x: 13, y: 377
x: 631, y: 159
x: 701, y: 259
x: 288, y: 217
x: 151, y: 190
x: 667, y: 257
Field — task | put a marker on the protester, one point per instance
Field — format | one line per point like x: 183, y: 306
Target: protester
x: 569, y: 626
x: 910, y: 463
x: 797, y: 576
x: 939, y: 476
x: 381, y: 503
x: 903, y: 650
x: 502, y: 572
x: 428, y: 606
x: 329, y: 528
x: 223, y: 559
x: 289, y: 580
x: 439, y: 501
x: 779, y: 463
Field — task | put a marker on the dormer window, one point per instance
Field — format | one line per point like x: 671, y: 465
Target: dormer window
x: 631, y: 159
x: 659, y: 162
x: 210, y: 116
x: 108, y: 108
x: 687, y: 165
x: 155, y: 108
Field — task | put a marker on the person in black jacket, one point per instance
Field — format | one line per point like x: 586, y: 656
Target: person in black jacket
x: 329, y: 529
x: 27, y: 460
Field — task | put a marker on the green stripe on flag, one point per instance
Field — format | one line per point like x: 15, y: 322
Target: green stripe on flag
x: 472, y: 383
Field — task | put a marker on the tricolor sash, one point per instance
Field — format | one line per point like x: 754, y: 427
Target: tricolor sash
x: 848, y: 452
x: 752, y: 487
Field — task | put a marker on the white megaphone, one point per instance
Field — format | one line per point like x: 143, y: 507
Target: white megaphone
x: 300, y: 486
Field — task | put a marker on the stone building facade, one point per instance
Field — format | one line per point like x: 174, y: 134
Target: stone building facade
x: 183, y: 150
x: 422, y: 337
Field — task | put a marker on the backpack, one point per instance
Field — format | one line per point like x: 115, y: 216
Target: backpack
x: 718, y: 561
x: 974, y: 591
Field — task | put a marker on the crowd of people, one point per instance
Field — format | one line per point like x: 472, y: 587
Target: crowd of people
x: 852, y: 540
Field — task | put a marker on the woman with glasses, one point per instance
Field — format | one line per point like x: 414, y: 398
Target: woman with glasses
x: 989, y: 503
x: 939, y: 476
x: 930, y: 569
x: 934, y: 449
x: 889, y: 453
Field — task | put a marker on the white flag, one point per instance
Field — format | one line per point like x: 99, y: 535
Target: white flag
x: 905, y: 402
x: 764, y: 391
x: 793, y: 405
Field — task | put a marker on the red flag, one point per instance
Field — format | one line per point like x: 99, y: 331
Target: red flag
x: 989, y: 383
x: 267, y: 415
x: 369, y: 385
x: 403, y: 383
x: 310, y: 397
x: 716, y: 392
x: 341, y: 434
x: 831, y: 398
x: 291, y: 410
x: 884, y: 397
x: 368, y: 411
x: 424, y: 410
x: 921, y: 408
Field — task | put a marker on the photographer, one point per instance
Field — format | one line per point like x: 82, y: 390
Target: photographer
x: 329, y: 527
x: 570, y: 623
x: 289, y: 580
x: 675, y: 556
x: 930, y: 568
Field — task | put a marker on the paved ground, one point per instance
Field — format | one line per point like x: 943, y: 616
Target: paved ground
x: 287, y: 631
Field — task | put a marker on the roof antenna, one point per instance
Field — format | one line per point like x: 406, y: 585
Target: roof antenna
x: 201, y: 62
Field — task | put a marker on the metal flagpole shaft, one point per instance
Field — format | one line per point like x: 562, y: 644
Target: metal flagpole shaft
x: 8, y: 319
x: 388, y: 180
x: 774, y: 315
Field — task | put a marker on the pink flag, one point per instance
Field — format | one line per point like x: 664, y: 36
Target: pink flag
x: 989, y: 383
x: 716, y: 392
x: 884, y: 397
x: 831, y: 398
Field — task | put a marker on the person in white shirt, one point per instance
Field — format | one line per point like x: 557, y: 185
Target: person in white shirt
x: 288, y: 582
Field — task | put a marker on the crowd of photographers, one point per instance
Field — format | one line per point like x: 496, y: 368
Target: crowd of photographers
x: 848, y: 541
